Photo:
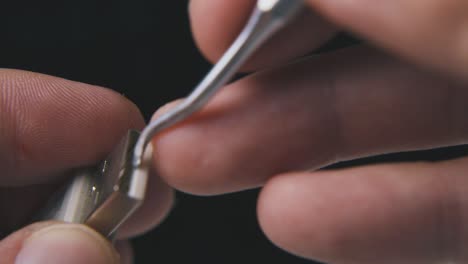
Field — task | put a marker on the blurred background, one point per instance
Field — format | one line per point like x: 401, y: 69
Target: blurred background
x: 144, y: 50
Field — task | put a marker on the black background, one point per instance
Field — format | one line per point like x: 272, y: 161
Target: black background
x: 144, y: 50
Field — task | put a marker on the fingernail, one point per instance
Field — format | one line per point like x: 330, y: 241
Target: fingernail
x: 66, y: 243
x: 165, y: 108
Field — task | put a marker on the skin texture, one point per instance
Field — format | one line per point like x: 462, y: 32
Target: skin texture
x: 76, y: 244
x: 402, y: 213
x: 406, y: 213
x: 381, y: 105
x: 275, y: 128
x: 76, y: 125
x: 433, y: 33
x: 308, y: 31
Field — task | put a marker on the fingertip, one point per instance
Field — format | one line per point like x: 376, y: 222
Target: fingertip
x: 374, y: 214
x: 53, y: 242
x: 206, y: 18
x: 178, y: 159
x: 334, y: 216
x: 283, y: 216
x: 165, y: 108
x: 216, y: 24
x: 183, y: 156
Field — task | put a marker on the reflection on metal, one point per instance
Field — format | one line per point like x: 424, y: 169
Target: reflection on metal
x: 102, y: 197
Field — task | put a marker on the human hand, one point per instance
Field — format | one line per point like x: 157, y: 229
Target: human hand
x: 48, y: 126
x: 431, y: 33
x: 273, y: 128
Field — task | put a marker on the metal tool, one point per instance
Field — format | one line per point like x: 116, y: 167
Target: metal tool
x: 104, y: 197
x: 268, y: 17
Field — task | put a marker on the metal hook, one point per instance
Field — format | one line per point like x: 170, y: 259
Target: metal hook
x: 268, y: 17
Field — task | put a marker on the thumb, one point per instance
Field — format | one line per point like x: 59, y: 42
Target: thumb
x: 50, y: 243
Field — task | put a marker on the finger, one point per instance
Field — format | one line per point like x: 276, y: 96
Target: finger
x: 215, y: 25
x: 51, y: 243
x: 430, y: 32
x: 406, y: 213
x: 353, y: 103
x: 49, y: 125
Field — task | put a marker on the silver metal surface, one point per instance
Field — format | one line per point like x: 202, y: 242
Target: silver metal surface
x: 268, y: 17
x: 102, y: 197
